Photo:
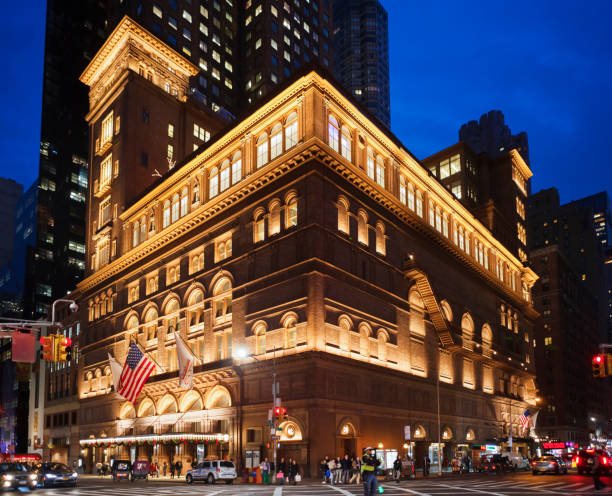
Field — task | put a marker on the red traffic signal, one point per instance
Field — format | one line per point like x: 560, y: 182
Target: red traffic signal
x: 279, y: 411
x: 599, y: 366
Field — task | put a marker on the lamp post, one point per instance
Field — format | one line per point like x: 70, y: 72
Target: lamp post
x: 439, y: 426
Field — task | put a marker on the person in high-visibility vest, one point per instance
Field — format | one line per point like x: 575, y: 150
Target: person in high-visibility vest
x: 368, y: 472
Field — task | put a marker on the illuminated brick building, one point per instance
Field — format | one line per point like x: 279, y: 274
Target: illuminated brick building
x: 313, y: 240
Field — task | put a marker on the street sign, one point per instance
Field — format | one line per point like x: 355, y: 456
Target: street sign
x: 407, y: 433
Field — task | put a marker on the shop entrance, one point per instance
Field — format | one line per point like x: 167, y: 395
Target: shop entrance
x: 346, y: 446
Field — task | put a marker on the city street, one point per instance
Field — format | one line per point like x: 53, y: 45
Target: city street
x: 523, y: 484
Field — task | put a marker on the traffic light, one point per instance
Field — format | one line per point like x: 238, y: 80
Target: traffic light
x: 48, y: 348
x: 65, y: 349
x: 599, y: 366
x: 279, y: 411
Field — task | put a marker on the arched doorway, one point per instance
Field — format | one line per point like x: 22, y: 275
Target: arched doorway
x: 346, y: 438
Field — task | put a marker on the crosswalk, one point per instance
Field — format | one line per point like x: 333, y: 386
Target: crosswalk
x: 441, y: 487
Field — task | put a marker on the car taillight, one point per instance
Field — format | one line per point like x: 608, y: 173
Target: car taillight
x: 218, y: 469
x: 554, y: 464
x: 534, y: 464
x: 604, y: 461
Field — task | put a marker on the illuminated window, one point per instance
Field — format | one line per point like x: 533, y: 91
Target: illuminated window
x: 236, y: 167
x: 547, y: 340
x: 419, y: 203
x: 174, y: 208
x: 380, y: 171
x: 224, y: 175
x: 166, y: 214
x: 370, y: 166
x: 346, y: 143
x: 170, y: 152
x: 291, y: 131
x: 333, y: 132
x: 262, y: 150
x: 402, y: 190
x: 276, y: 141
x: 456, y: 190
x: 213, y: 183
x: 362, y: 227
x: 343, y: 216
x: 184, y: 201
x: 380, y: 239
x: 222, y: 304
x: 106, y: 171
x: 410, y: 198
x: 259, y: 232
x: 105, y: 211
x: 291, y: 212
x: 107, y: 129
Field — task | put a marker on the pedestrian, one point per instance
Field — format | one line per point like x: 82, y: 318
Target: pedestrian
x: 281, y: 472
x: 331, y: 467
x: 264, y: 467
x: 426, y: 464
x: 368, y: 471
x: 596, y: 471
x: 179, y: 468
x: 99, y: 468
x: 346, y: 465
x: 323, y: 470
x: 356, y: 469
x: 294, y: 471
x: 165, y: 468
x: 172, y: 468
x: 338, y: 474
x: 397, y: 469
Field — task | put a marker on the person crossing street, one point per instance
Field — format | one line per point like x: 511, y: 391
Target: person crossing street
x: 368, y: 472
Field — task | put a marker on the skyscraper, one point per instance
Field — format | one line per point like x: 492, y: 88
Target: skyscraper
x: 361, y: 54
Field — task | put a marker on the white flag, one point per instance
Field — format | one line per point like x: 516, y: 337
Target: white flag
x: 116, y: 370
x: 185, y: 362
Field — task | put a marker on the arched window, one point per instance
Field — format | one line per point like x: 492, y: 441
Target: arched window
x: 184, y: 201
x: 467, y: 327
x: 276, y: 141
x: 143, y: 229
x: 380, y: 238
x: 262, y: 150
x: 380, y: 171
x: 487, y: 336
x: 166, y: 214
x: 403, y: 190
x: 274, y: 219
x: 333, y: 133
x: 370, y: 166
x: 196, y: 307
x: 291, y: 218
x: 411, y: 197
x: 362, y: 227
x: 135, y: 233
x: 432, y: 216
x: 195, y: 197
x: 438, y: 219
x: 419, y: 203
x: 346, y: 143
x: 213, y: 183
x: 150, y: 324
x: 259, y: 229
x: 343, y: 216
x: 291, y: 131
x: 236, y: 167
x: 291, y: 333
x: 174, y: 208
x: 260, y: 340
x: 172, y: 314
x: 132, y: 323
x: 224, y: 175
x: 222, y: 303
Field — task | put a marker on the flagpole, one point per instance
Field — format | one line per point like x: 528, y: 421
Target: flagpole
x: 176, y: 334
x: 148, y: 355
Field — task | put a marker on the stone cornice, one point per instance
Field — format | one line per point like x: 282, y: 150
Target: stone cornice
x: 125, y: 30
x: 520, y: 164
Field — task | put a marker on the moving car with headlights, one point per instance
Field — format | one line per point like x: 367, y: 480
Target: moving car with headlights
x: 16, y: 475
x: 56, y: 474
x: 210, y: 471
x: 548, y: 463
x: 121, y: 470
x: 585, y: 459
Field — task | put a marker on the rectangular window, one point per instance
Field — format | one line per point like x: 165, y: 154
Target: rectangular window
x: 186, y: 16
x: 105, y: 212
x: 170, y: 152
x: 106, y: 171
x: 456, y: 190
x: 157, y: 10
x: 107, y: 129
x: 170, y: 131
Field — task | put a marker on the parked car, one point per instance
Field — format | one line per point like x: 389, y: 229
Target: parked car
x: 56, y: 474
x: 584, y: 461
x: 548, y: 463
x: 16, y: 475
x: 121, y: 470
x: 211, y: 471
x: 517, y: 461
x: 496, y: 463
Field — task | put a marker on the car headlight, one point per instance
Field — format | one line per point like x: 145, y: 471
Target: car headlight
x: 33, y: 476
x: 74, y: 474
x: 50, y: 476
x: 8, y: 477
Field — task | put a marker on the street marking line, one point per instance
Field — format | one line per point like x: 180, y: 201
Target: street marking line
x: 340, y: 490
x: 473, y: 490
x: 278, y: 491
x: 406, y: 490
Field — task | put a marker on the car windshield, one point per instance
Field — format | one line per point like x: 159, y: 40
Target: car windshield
x: 227, y: 464
x: 55, y: 466
x: 121, y: 465
x: 545, y: 458
x: 12, y: 467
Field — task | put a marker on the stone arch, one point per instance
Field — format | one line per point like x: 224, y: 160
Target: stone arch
x: 167, y: 404
x: 365, y: 329
x: 447, y: 433
x: 168, y: 300
x: 128, y: 321
x: 190, y: 401
x: 467, y: 328
x: 127, y: 411
x: 290, y: 431
x: 348, y: 427
x: 191, y: 290
x: 365, y: 332
x: 470, y: 434
x: 415, y: 298
x: 382, y: 335
x: 146, y: 408
x: 446, y: 310
x: 345, y: 322
x: 486, y: 335
x: 218, y: 397
x: 289, y: 317
x: 420, y: 432
x: 222, y: 274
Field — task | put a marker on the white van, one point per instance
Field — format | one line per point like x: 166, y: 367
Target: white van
x: 211, y: 471
x: 517, y: 460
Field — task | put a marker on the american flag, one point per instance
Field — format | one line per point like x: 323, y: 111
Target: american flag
x: 136, y: 371
x: 525, y: 419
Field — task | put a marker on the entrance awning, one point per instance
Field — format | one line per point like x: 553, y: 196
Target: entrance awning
x: 176, y: 437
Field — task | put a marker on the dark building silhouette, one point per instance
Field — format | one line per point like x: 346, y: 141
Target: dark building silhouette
x: 10, y: 191
x: 492, y: 136
x: 361, y: 51
x: 567, y: 254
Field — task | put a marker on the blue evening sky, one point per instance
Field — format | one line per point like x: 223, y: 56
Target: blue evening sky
x: 546, y: 64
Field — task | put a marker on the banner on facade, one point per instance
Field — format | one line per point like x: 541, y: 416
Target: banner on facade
x: 185, y: 362
x: 406, y: 433
x: 116, y: 369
